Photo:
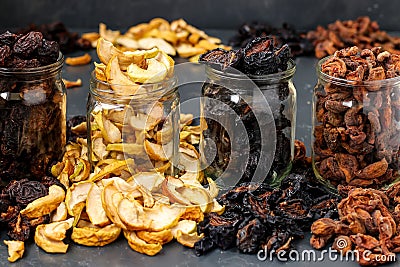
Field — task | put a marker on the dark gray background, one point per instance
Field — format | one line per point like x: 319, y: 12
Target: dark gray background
x: 222, y: 14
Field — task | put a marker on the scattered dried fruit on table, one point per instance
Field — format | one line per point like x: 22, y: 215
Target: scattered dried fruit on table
x: 15, y: 249
x: 362, y: 32
x: 260, y: 217
x: 173, y: 38
x: 79, y: 60
x: 367, y: 223
x: 95, y: 237
x: 297, y: 41
x: 355, y: 134
x: 70, y: 84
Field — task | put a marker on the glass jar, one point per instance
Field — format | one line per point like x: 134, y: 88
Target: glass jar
x: 32, y: 120
x: 356, y: 131
x: 249, y: 124
x: 143, y: 127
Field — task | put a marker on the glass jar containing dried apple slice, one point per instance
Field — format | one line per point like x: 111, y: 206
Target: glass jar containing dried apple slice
x: 133, y: 111
x: 356, y: 118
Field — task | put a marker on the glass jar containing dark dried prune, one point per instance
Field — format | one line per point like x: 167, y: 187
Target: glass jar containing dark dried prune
x: 249, y: 123
x: 356, y: 118
x: 140, y: 129
x: 32, y: 118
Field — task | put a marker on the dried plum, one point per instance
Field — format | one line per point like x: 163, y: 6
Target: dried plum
x: 22, y: 192
x: 28, y: 43
x: 5, y: 53
x: 8, y: 38
x: 258, y: 216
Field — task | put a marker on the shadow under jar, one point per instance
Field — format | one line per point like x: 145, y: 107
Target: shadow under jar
x: 142, y: 128
x: 356, y: 131
x: 32, y: 120
x: 249, y: 126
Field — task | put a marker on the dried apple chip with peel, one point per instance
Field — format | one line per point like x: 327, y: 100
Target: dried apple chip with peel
x: 140, y: 245
x: 150, y: 42
x: 150, y: 180
x: 128, y: 148
x: 57, y: 230
x: 15, y: 249
x: 60, y: 214
x: 95, y: 237
x: 160, y: 237
x: 76, y: 194
x: 110, y: 198
x: 47, y: 244
x: 120, y: 83
x: 163, y: 216
x: 131, y: 213
x: 94, y: 207
x: 45, y: 205
x: 156, y: 72
x: 188, y: 240
x: 114, y: 167
x: 185, y: 226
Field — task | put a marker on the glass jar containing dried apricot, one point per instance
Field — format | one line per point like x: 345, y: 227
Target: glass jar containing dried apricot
x: 356, y: 118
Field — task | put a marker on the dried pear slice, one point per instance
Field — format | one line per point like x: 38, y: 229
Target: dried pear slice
x: 120, y: 83
x: 185, y: 226
x: 150, y: 42
x: 57, y: 230
x: 76, y: 194
x: 160, y: 237
x: 15, y: 249
x: 140, y: 245
x: 44, y: 205
x: 94, y: 207
x: 155, y: 72
x: 95, y: 237
x: 188, y: 240
x: 47, y: 244
x: 60, y: 214
x: 110, y: 198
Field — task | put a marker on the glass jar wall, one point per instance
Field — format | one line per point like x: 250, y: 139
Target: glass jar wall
x: 33, y: 120
x: 356, y: 133
x: 142, y: 128
x: 250, y: 126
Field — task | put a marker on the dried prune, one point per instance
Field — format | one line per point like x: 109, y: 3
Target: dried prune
x: 48, y: 52
x: 28, y: 43
x: 22, y: 192
x: 8, y: 38
x: 5, y: 53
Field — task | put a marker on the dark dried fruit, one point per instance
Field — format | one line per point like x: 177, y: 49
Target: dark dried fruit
x: 8, y: 38
x: 22, y: 192
x: 5, y: 53
x: 28, y: 43
x: 257, y: 216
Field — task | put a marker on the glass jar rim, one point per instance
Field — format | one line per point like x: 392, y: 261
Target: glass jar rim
x: 278, y: 76
x: 36, y: 70
x: 344, y: 82
x: 170, y: 87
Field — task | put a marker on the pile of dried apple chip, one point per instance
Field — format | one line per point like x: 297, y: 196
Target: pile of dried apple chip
x: 177, y: 37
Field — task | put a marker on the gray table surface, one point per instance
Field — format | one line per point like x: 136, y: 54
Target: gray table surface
x: 173, y: 254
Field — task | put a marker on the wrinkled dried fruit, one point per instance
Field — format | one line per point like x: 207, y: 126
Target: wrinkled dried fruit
x: 77, y: 61
x: 140, y: 245
x: 95, y: 237
x: 15, y: 249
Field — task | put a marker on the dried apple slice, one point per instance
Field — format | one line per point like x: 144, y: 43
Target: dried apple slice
x: 160, y: 237
x: 187, y: 50
x: 217, y: 208
x: 132, y: 149
x: 95, y: 237
x: 150, y: 42
x: 127, y: 42
x: 169, y: 190
x: 120, y: 83
x: 155, y: 72
x: 132, y: 215
x: 140, y: 245
x: 185, y: 226
x: 163, y: 216
x: 196, y: 195
x: 76, y: 194
x: 150, y: 180
x: 146, y: 54
x: 94, y: 207
x: 158, y: 152
x: 45, y: 205
x: 114, y: 167
x: 113, y: 134
x: 99, y: 148
x: 15, y: 249
x: 167, y: 61
x: 47, y: 244
x: 108, y: 34
x: 110, y: 198
x: 60, y: 214
x: 188, y: 240
x: 57, y: 230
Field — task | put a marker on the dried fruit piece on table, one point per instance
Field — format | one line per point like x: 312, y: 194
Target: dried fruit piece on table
x: 140, y: 245
x: 79, y: 60
x: 70, y: 84
x: 15, y: 249
x: 24, y: 191
x: 95, y: 237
